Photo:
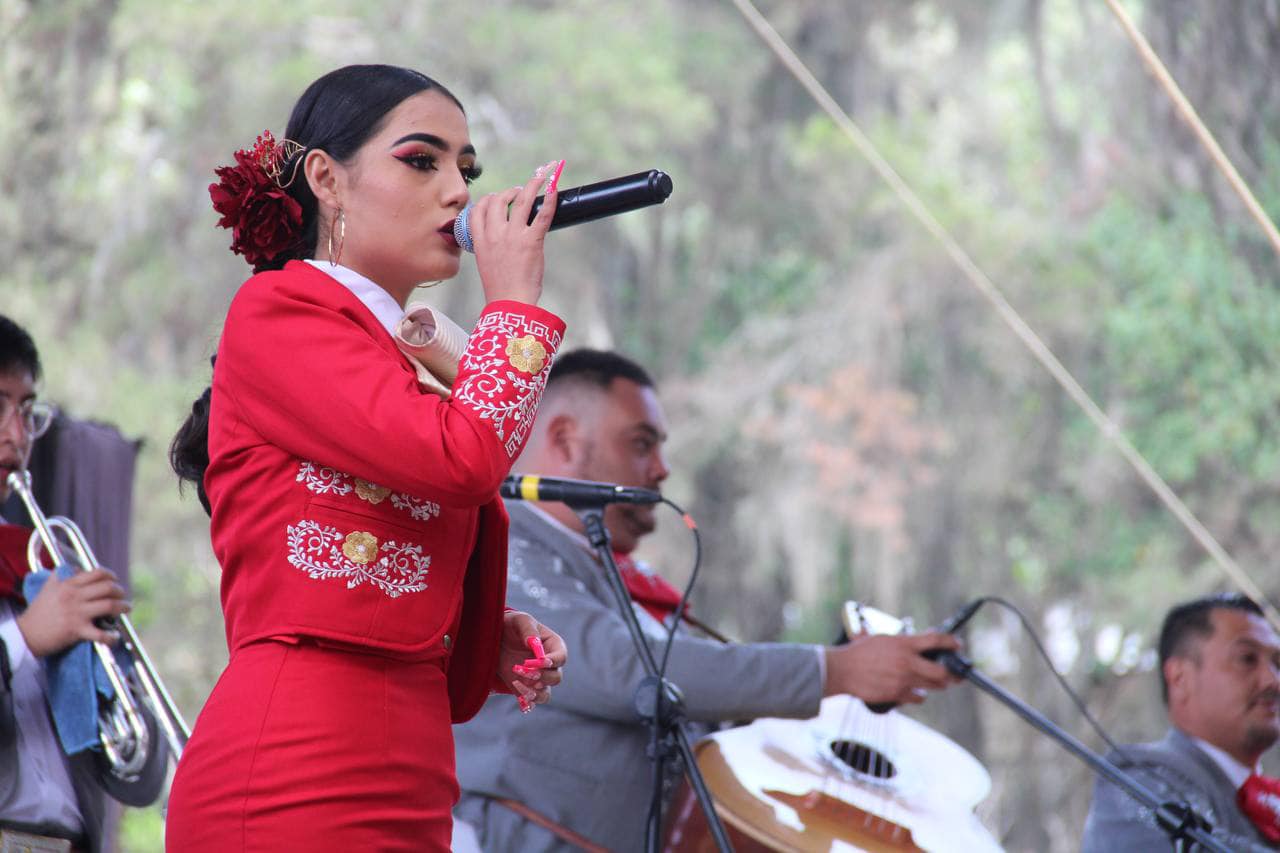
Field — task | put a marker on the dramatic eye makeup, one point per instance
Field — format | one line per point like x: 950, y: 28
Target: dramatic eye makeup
x: 424, y: 151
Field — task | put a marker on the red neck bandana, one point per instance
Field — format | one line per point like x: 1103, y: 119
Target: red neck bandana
x: 13, y: 560
x: 1259, y: 799
x: 648, y: 589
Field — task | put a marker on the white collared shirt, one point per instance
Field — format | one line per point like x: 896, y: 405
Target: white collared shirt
x: 44, y: 795
x: 382, y: 304
x: 1234, y: 770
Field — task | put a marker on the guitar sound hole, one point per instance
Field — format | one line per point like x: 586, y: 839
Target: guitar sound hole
x: 864, y: 759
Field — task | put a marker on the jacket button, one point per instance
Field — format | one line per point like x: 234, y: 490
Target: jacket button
x: 448, y: 642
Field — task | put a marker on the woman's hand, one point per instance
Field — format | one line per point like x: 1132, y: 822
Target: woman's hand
x: 529, y: 675
x: 509, y: 247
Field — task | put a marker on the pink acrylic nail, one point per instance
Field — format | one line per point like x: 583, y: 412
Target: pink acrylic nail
x: 535, y: 646
x: 555, y: 181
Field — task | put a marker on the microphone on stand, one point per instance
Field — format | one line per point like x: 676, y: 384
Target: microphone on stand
x: 953, y: 623
x: 958, y: 619
x: 588, y: 202
x: 575, y: 493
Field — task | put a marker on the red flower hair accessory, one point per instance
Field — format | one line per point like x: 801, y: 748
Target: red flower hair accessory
x: 265, y: 221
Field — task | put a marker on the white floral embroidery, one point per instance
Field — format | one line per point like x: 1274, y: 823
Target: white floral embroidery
x: 506, y: 397
x: 324, y: 481
x: 316, y: 549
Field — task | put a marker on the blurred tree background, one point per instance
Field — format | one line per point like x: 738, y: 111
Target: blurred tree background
x: 850, y: 419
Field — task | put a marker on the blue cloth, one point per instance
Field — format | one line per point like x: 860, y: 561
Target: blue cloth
x: 73, y: 675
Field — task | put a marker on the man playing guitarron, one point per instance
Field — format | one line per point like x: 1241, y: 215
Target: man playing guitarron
x: 580, y: 764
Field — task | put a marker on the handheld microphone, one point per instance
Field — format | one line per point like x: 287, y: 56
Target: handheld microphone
x: 588, y: 202
x: 575, y: 493
x: 956, y: 664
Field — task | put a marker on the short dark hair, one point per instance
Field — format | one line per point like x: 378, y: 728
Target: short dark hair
x: 1192, y: 620
x: 596, y: 367
x: 337, y: 114
x: 17, y: 349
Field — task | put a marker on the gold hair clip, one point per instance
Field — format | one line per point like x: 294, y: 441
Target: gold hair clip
x: 274, y: 158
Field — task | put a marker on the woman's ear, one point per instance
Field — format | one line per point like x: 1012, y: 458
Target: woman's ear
x: 323, y: 175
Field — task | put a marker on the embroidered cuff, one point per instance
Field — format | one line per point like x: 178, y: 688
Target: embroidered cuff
x: 504, y: 369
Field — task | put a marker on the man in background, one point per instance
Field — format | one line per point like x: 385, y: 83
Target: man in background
x: 43, y: 792
x: 1220, y: 679
x: 576, y: 770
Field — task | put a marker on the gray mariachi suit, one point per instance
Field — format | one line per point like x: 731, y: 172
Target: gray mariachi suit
x: 580, y: 760
x: 1174, y: 768
x: 90, y: 774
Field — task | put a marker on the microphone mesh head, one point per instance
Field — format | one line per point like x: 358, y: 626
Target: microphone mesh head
x: 462, y: 232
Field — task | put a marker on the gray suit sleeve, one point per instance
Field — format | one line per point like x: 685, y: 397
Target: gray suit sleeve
x: 719, y: 682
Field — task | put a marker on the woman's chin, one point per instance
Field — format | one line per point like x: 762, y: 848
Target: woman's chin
x: 438, y: 270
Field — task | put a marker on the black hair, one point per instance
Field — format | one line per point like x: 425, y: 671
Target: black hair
x: 1192, y: 621
x: 17, y: 349
x: 596, y: 367
x: 338, y: 114
x: 189, y: 450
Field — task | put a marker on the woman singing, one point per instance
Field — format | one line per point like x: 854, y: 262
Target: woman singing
x: 354, y: 514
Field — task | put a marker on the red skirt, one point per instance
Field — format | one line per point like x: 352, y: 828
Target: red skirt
x: 304, y: 747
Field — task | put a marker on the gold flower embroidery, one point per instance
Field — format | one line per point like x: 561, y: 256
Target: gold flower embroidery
x: 527, y: 354
x: 360, y: 547
x: 371, y: 492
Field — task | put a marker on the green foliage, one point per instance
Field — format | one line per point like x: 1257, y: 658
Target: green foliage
x: 1192, y: 342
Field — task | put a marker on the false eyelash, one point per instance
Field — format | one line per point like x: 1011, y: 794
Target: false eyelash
x: 425, y: 162
x: 471, y: 173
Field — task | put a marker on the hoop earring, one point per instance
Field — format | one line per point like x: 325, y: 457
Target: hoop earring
x: 338, y: 224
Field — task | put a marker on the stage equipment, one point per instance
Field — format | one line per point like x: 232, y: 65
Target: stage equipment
x: 588, y: 202
x: 573, y: 492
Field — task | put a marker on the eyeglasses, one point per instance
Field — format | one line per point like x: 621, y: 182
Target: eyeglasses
x: 36, y: 417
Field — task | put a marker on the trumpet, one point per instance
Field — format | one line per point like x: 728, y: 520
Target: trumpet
x: 122, y: 730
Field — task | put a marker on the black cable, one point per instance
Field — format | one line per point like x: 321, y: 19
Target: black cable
x: 1185, y: 801
x: 1062, y: 681
x: 688, y: 588
x: 655, y: 799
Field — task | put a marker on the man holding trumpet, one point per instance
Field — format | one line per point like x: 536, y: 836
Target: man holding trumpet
x: 48, y: 801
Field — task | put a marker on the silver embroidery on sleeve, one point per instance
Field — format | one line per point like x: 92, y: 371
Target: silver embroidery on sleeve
x: 517, y: 577
x: 323, y: 552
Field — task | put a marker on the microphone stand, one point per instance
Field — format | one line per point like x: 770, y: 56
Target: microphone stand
x: 660, y: 702
x: 1184, y: 826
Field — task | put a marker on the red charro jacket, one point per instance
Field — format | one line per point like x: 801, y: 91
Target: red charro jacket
x: 351, y: 506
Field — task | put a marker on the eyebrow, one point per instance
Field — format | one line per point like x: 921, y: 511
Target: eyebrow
x: 652, y: 431
x: 432, y: 140
x: 1256, y: 644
